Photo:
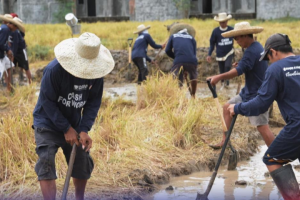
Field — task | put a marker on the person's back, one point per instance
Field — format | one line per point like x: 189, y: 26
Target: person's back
x: 140, y: 46
x: 253, y: 69
x: 285, y: 76
x: 184, y: 46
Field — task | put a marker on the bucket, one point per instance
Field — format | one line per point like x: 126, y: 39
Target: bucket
x: 76, y: 29
x: 71, y: 19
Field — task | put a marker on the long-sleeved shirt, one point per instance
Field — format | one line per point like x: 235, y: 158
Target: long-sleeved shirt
x: 4, y: 34
x: 14, y: 39
x: 281, y: 83
x: 223, y: 45
x: 253, y: 69
x: 140, y: 46
x: 66, y: 100
x: 182, y: 48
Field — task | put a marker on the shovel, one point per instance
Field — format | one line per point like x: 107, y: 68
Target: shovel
x: 129, y: 72
x: 213, y: 176
x: 233, y: 157
x: 69, y: 172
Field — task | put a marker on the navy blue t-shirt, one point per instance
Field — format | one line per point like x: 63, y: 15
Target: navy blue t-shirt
x: 15, y: 38
x: 253, y: 69
x: 182, y: 48
x: 223, y: 45
x: 66, y: 100
x: 281, y: 83
x: 140, y: 46
x: 4, y: 34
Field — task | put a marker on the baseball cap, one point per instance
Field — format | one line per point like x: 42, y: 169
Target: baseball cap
x: 273, y: 41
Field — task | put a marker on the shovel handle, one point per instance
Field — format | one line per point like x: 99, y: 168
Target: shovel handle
x: 129, y: 41
x: 219, y: 108
x: 213, y: 91
x: 69, y: 172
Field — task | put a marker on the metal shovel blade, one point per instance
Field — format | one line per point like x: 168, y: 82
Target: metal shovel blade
x: 233, y: 160
x: 201, y: 197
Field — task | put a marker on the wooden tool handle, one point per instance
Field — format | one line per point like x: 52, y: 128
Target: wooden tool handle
x: 129, y: 54
x: 220, y: 111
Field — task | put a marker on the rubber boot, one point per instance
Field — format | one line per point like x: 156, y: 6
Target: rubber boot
x: 286, y: 182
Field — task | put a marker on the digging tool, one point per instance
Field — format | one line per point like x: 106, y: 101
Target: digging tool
x: 233, y: 157
x: 187, y: 82
x: 213, y: 176
x: 69, y: 172
x: 129, y: 72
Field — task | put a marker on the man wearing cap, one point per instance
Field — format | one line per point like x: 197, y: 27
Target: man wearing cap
x: 182, y: 48
x: 69, y: 100
x: 281, y: 83
x: 139, y: 51
x: 254, y: 74
x: 18, y: 47
x: 9, y: 25
x: 223, y: 45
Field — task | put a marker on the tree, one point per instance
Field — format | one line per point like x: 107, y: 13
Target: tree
x: 184, y: 6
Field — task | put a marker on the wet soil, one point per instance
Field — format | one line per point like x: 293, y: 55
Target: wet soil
x: 185, y: 179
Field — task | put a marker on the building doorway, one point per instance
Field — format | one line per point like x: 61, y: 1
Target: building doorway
x: 207, y: 6
x: 91, y: 8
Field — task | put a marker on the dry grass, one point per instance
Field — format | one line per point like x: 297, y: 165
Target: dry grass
x: 162, y: 129
x: 114, y: 34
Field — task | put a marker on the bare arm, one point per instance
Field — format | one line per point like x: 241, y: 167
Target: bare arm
x: 225, y: 76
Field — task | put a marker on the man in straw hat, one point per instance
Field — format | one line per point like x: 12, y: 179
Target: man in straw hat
x: 281, y: 83
x: 69, y: 100
x: 9, y: 25
x: 182, y: 48
x: 254, y: 74
x: 139, y: 51
x: 18, y: 47
x: 223, y: 45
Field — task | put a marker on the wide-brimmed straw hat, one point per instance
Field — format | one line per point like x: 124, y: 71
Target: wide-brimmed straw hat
x: 16, y: 21
x: 19, y: 23
x: 222, y: 17
x: 141, y: 28
x: 242, y: 28
x: 84, y: 57
x: 6, y: 17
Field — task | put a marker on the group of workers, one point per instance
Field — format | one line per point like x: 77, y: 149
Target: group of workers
x: 72, y: 86
x: 12, y: 48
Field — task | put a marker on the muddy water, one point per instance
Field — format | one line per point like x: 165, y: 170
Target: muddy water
x: 259, y: 186
x: 129, y: 91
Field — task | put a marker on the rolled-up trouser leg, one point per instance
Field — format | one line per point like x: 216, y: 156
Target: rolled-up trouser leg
x: 286, y: 182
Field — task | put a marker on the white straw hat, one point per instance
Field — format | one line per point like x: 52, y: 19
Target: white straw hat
x: 222, y: 17
x: 242, y: 28
x: 6, y: 17
x: 19, y: 23
x: 141, y: 28
x: 84, y: 57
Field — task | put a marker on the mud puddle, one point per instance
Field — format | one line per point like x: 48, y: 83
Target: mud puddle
x: 259, y: 184
x: 129, y: 91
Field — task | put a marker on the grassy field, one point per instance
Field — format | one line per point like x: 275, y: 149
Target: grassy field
x: 41, y: 39
x: 160, y: 131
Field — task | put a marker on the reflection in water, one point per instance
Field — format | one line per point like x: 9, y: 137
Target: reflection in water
x: 253, y: 171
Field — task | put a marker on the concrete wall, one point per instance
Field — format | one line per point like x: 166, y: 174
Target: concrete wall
x: 272, y: 9
x: 43, y: 11
x: 150, y: 10
x: 233, y: 6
